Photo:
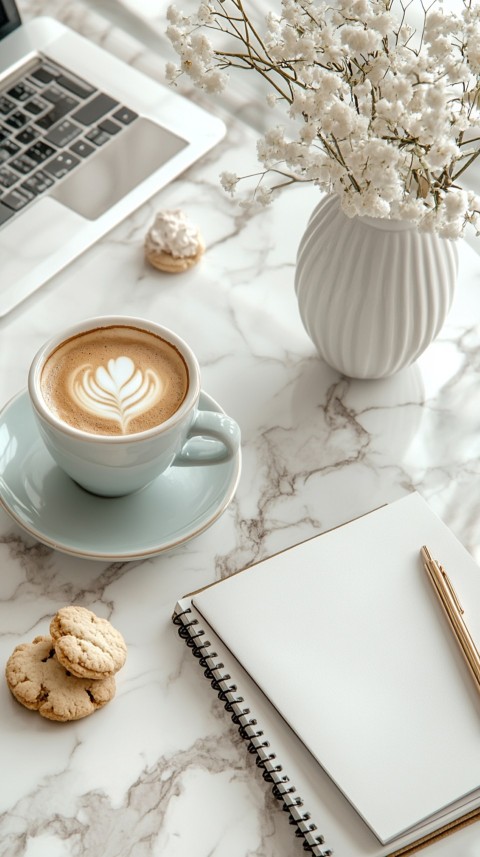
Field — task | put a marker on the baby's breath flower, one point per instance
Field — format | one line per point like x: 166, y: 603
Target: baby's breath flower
x: 229, y: 181
x: 456, y: 202
x: 176, y: 35
x: 214, y: 81
x: 473, y: 48
x: 174, y: 16
x: 172, y: 71
x: 206, y: 13
x: 441, y: 153
x: 264, y: 195
x: 385, y: 116
x: 360, y: 40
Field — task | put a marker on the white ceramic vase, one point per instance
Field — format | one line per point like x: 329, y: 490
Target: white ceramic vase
x: 372, y: 293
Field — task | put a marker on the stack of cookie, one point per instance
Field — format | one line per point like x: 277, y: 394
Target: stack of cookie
x: 71, y: 673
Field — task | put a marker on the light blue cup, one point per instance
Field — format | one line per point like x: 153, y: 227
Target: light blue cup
x: 113, y: 466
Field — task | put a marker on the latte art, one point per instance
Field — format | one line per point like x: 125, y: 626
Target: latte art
x: 116, y: 380
x: 118, y: 392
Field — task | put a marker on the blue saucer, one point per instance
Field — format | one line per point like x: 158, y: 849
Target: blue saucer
x: 178, y: 505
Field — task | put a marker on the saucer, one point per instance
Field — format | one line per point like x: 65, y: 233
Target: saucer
x: 38, y: 495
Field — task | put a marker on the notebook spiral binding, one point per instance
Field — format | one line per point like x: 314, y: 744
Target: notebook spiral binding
x: 257, y: 745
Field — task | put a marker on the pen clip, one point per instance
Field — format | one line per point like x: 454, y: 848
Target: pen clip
x: 450, y: 587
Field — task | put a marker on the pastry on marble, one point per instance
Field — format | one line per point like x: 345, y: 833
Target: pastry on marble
x: 39, y: 682
x: 172, y: 243
x: 87, y: 646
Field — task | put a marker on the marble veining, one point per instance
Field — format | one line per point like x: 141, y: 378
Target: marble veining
x: 161, y: 770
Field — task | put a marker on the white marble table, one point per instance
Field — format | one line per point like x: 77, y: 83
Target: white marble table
x: 161, y: 771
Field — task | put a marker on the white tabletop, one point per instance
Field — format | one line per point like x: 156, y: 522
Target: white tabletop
x: 161, y: 770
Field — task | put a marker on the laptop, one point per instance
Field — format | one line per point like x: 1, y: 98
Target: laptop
x: 84, y: 141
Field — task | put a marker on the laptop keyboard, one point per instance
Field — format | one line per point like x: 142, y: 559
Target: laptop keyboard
x: 50, y: 123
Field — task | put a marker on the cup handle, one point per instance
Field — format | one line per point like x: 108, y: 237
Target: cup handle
x: 212, y: 438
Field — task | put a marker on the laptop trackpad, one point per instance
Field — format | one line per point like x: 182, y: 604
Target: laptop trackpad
x: 110, y: 173
x: 29, y: 240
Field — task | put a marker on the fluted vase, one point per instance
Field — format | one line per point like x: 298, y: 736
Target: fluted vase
x: 372, y: 293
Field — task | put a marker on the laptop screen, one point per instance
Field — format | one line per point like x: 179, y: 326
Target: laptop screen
x: 9, y: 17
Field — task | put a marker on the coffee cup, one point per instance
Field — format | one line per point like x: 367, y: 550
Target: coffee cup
x: 116, y: 400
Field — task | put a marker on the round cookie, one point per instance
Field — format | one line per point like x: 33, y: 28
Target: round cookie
x: 87, y: 646
x: 173, y: 244
x: 170, y: 264
x: 39, y: 682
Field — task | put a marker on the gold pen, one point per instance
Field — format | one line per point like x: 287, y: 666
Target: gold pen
x: 454, y: 612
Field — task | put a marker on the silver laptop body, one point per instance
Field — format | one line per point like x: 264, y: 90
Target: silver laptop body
x: 54, y: 210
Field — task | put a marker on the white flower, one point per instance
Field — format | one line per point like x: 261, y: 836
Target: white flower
x: 174, y: 16
x: 379, y: 114
x: 202, y: 47
x: 390, y: 111
x: 411, y: 209
x: 264, y: 195
x: 473, y: 48
x: 452, y: 229
x: 206, y: 13
x: 358, y: 39
x: 455, y: 203
x: 441, y: 155
x: 172, y: 71
x: 176, y: 36
x: 229, y: 182
x: 384, y: 23
x: 339, y: 119
x: 214, y: 81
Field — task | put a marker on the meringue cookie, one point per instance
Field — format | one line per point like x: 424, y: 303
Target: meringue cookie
x: 172, y: 243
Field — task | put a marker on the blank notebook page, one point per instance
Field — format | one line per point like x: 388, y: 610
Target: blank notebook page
x: 344, y: 635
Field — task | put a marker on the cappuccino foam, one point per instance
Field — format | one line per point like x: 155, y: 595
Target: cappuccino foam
x: 114, y: 380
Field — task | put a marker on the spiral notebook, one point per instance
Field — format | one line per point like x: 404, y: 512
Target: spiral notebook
x: 339, y: 668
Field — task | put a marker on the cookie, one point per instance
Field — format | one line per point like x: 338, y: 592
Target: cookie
x: 87, y: 646
x: 170, y: 264
x: 39, y: 682
x: 173, y: 244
